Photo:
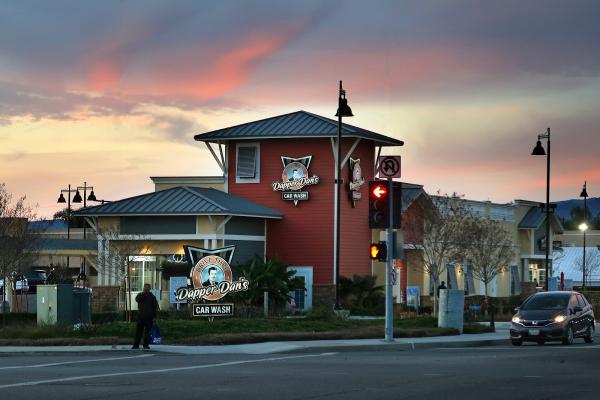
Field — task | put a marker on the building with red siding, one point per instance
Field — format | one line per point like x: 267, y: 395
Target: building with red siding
x: 253, y: 157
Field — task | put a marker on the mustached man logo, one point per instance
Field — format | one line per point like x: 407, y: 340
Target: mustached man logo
x: 211, y: 277
x: 294, y: 178
x: 356, y: 180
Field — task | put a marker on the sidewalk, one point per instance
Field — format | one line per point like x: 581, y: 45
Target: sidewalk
x: 501, y: 336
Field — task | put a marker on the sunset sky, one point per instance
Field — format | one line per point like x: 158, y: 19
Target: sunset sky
x: 112, y: 92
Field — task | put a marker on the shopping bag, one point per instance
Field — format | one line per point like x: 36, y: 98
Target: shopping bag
x: 155, y: 337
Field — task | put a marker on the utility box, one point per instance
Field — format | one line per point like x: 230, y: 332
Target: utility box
x: 55, y: 304
x: 451, y: 310
x: 82, y: 306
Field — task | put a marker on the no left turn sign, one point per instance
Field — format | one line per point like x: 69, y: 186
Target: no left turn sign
x: 389, y: 166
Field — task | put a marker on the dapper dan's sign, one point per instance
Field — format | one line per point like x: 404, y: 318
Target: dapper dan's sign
x: 294, y: 178
x: 211, y: 277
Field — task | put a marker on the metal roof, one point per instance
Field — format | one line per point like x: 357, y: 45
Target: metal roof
x: 299, y: 124
x: 182, y: 200
x: 535, y: 217
x: 409, y: 194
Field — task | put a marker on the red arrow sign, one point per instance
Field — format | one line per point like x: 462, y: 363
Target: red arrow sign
x: 379, y: 191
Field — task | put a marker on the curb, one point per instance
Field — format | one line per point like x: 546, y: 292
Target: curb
x: 398, y: 346
x: 287, y: 348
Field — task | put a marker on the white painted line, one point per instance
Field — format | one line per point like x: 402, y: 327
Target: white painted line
x: 74, y: 362
x: 158, y: 371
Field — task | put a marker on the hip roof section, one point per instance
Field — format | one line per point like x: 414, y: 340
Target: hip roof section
x: 183, y: 200
x: 299, y: 124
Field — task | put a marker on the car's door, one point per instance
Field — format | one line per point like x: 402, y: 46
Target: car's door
x: 574, y: 315
x: 586, y: 315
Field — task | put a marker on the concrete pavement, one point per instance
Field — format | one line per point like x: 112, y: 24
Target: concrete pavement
x: 501, y: 336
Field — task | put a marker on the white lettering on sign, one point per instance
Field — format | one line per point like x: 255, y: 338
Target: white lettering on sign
x: 213, y: 310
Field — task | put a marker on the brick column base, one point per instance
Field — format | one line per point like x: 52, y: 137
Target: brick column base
x: 105, y: 298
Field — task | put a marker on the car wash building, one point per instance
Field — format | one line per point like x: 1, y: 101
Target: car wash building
x: 276, y: 198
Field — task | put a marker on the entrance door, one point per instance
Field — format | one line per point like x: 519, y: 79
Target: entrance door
x: 303, y: 298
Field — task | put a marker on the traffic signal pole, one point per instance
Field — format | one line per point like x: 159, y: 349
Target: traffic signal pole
x: 389, y: 310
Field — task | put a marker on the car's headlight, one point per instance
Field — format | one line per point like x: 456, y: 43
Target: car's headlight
x: 559, y: 319
x: 517, y: 319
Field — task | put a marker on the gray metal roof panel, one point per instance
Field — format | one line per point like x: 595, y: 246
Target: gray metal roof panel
x: 182, y: 200
x: 536, y: 216
x: 533, y: 219
x: 296, y: 124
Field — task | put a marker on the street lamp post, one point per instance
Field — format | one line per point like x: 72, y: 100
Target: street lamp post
x: 539, y: 151
x: 76, y: 199
x: 342, y: 111
x: 61, y: 199
x: 584, y: 228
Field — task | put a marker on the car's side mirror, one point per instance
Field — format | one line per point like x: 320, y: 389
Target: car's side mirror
x: 516, y: 310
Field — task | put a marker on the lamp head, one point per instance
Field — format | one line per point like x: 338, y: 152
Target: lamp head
x: 344, y: 109
x: 583, y: 227
x: 538, y: 150
x: 61, y: 199
x: 584, y: 191
x: 77, y: 198
x: 92, y: 196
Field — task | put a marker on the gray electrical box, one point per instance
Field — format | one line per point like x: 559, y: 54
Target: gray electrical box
x: 55, y: 304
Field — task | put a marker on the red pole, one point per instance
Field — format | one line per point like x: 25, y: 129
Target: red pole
x: 562, y: 281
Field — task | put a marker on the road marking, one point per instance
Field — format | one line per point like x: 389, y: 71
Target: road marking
x: 533, y: 376
x: 158, y: 371
x: 432, y: 374
x: 74, y: 362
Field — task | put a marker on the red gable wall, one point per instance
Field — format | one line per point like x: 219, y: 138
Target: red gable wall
x: 304, y: 237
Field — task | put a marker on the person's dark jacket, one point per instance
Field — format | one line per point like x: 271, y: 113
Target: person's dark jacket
x: 442, y: 286
x: 147, y: 306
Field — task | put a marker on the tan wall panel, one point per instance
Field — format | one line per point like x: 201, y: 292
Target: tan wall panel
x: 109, y: 223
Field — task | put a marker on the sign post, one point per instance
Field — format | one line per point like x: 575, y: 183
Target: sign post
x: 389, y: 167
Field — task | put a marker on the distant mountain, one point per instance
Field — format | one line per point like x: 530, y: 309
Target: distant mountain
x: 563, y: 208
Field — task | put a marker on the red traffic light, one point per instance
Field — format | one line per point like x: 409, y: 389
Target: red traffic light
x: 379, y: 191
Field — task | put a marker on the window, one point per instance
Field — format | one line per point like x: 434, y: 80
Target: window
x: 247, y: 163
x: 142, y: 269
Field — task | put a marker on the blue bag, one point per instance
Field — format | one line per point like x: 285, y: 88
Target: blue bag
x: 155, y: 337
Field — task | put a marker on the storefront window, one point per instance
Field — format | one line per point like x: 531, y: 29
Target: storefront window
x: 142, y: 269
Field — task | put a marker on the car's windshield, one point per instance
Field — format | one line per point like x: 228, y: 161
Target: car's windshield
x: 546, y: 302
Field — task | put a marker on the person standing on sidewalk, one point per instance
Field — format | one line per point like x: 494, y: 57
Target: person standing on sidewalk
x: 147, y: 312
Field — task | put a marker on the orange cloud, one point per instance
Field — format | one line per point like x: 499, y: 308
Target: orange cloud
x: 103, y: 75
x: 233, y: 68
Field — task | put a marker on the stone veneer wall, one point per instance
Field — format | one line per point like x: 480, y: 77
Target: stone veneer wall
x: 105, y: 298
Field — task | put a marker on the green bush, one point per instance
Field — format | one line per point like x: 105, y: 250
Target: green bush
x: 106, y: 317
x: 18, y: 318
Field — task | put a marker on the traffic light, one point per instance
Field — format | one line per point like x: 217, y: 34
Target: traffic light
x: 379, y: 208
x: 378, y: 251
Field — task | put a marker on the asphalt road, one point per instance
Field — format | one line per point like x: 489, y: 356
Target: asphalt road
x: 500, y: 372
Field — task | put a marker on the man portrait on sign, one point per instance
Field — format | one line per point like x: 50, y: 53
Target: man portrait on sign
x: 212, y: 277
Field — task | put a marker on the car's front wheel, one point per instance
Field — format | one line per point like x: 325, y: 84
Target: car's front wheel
x: 516, y: 342
x: 589, y: 334
x: 568, y: 339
